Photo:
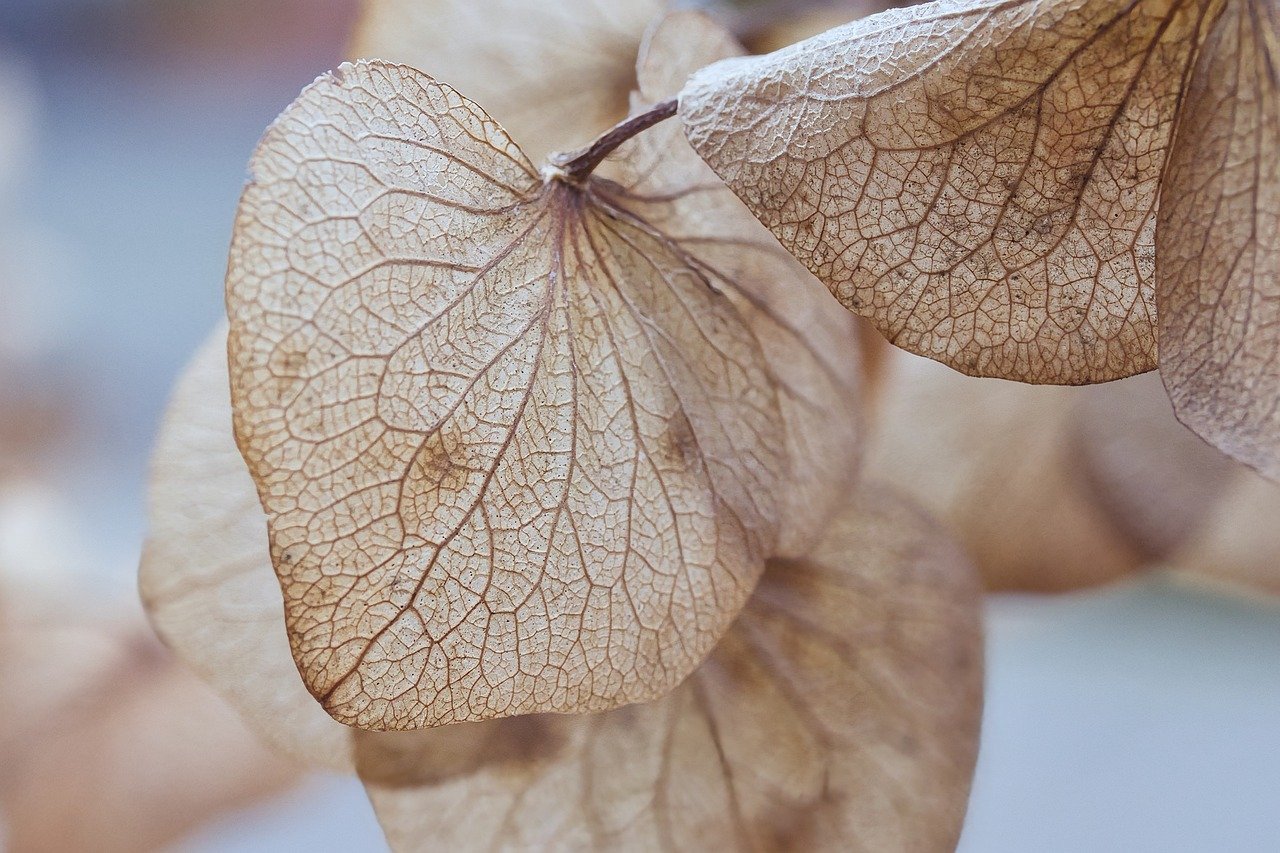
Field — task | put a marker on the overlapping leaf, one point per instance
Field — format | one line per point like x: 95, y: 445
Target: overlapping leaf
x: 840, y: 712
x: 553, y: 74
x: 979, y: 178
x: 982, y: 179
x: 205, y: 576
x: 520, y: 448
x: 1218, y: 245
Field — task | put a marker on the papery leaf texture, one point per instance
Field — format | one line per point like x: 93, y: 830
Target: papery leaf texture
x: 846, y: 699
x: 978, y: 177
x: 840, y: 712
x: 1218, y: 243
x: 524, y: 444
x: 205, y: 577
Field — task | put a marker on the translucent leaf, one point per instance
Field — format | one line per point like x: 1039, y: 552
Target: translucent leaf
x: 206, y: 579
x: 979, y: 178
x: 1218, y: 245
x: 523, y: 444
x: 840, y: 712
x: 554, y: 74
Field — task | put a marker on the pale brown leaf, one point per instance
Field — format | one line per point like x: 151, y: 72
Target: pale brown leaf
x: 108, y: 745
x: 519, y: 449
x: 782, y: 23
x: 206, y: 578
x: 554, y: 74
x: 1000, y: 463
x: 1181, y: 502
x: 1218, y: 245
x: 979, y: 177
x: 840, y: 712
x: 1152, y: 478
x: 1238, y: 541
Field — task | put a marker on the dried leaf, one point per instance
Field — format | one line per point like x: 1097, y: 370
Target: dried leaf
x: 780, y: 24
x: 840, y: 712
x: 1238, y: 542
x: 1183, y: 504
x: 1152, y: 478
x: 1000, y: 463
x: 206, y: 578
x: 109, y: 745
x: 553, y: 74
x: 520, y: 450
x: 1218, y: 244
x: 977, y: 177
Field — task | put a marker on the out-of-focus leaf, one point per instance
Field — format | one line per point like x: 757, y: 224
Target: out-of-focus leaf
x: 1184, y: 504
x: 840, y: 712
x: 554, y: 74
x: 999, y: 463
x: 774, y: 25
x: 523, y: 443
x: 206, y: 577
x: 108, y: 745
x: 1152, y: 478
x: 1238, y: 542
x: 1218, y: 244
x: 978, y: 177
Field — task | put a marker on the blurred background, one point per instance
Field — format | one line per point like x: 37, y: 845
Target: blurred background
x: 1140, y: 716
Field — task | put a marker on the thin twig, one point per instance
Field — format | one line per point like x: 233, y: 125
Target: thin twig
x: 575, y: 166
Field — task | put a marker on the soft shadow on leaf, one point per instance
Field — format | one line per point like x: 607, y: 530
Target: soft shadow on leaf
x: 840, y: 712
x: 108, y: 744
x: 206, y: 578
x: 554, y: 73
x: 1218, y: 245
x: 978, y: 178
x: 522, y: 444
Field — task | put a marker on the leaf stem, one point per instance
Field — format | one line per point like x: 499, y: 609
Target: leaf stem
x: 575, y: 166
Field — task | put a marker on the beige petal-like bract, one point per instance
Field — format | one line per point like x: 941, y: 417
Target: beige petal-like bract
x: 519, y: 449
x: 774, y: 26
x: 1152, y: 478
x: 1180, y: 501
x: 840, y: 712
x: 107, y: 744
x: 999, y: 463
x: 1218, y: 244
x: 672, y: 189
x: 977, y: 177
x: 1238, y: 541
x: 553, y: 74
x: 206, y: 579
